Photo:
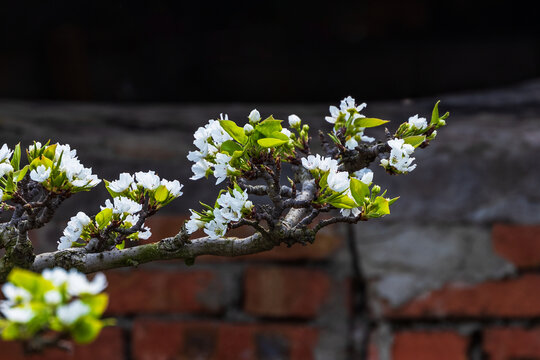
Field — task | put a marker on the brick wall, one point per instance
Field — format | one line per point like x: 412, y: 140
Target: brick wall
x: 451, y: 274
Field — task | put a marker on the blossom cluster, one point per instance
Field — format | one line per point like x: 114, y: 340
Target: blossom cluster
x: 57, y: 167
x: 399, y: 161
x: 326, y: 171
x: 230, y: 207
x: 348, y: 116
x: 208, y: 140
x: 59, y: 300
x: 5, y: 165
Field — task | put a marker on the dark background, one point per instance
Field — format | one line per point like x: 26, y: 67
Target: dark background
x: 263, y: 51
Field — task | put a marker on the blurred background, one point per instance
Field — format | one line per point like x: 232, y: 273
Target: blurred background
x: 452, y: 273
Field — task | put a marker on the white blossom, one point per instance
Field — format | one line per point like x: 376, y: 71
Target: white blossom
x: 248, y: 129
x: 34, y: 147
x: 222, y: 167
x: 70, y: 313
x: 65, y: 151
x: 19, y: 314
x: 418, y: 123
x: 145, y: 233
x: 254, y: 116
x: 351, y: 144
x: 53, y: 297
x: 349, y: 104
x: 40, y: 174
x: 365, y: 175
x: 78, y: 284
x: 399, y: 156
x: 122, y: 205
x: 215, y: 229
x: 1, y: 194
x: 286, y: 132
x: 174, y: 187
x: 15, y: 294
x: 195, y: 223
x: 148, y: 180
x: 334, y: 114
x: 348, y: 212
x: 294, y: 120
x: 314, y: 162
x: 122, y: 184
x: 5, y: 168
x: 5, y: 153
x: 338, y: 181
x: 199, y: 169
x: 57, y: 275
x: 64, y: 243
x: 328, y: 164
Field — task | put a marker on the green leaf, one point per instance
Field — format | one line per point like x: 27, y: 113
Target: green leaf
x: 11, y: 331
x: 42, y: 160
x: 122, y: 245
x: 230, y: 147
x: 279, y: 135
x: 369, y: 122
x: 86, y: 329
x: 380, y: 207
x: 324, y: 181
x: 104, y: 217
x: 97, y: 303
x: 391, y: 201
x: 269, y: 126
x: 359, y: 190
x: 50, y: 151
x: 343, y: 202
x: 19, y: 175
x: 32, y: 282
x: 161, y: 193
x: 236, y: 132
x: 435, y: 113
x: 16, y: 159
x: 415, y: 140
x: 271, y: 142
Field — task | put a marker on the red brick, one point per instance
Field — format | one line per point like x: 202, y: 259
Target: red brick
x: 512, y: 343
x: 518, y: 244
x: 436, y: 345
x: 516, y: 297
x: 285, y: 291
x: 109, y: 345
x: 162, y: 340
x: 153, y: 291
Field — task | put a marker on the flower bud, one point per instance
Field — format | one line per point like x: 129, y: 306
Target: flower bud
x: 375, y: 190
x: 254, y: 116
x: 248, y: 129
x: 294, y: 121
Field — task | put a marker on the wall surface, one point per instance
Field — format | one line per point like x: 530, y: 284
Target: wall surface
x: 452, y: 273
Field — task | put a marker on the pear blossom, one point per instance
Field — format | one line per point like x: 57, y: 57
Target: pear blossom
x: 5, y: 153
x: 199, y: 169
x: 64, y: 150
x: 338, y: 181
x: 351, y: 144
x: 195, y: 223
x: 34, y: 147
x: 314, y: 162
x: 73, y: 230
x: 19, y: 314
x: 53, y: 297
x: 248, y: 129
x: 418, y: 123
x: 286, y: 132
x: 15, y: 294
x: 1, y: 194
x: 78, y: 284
x: 294, y: 120
x: 348, y: 212
x: 148, y: 180
x: 399, y: 156
x: 365, y: 175
x: 5, y: 168
x: 174, y: 187
x: 350, y: 104
x: 144, y: 233
x: 334, y: 114
x: 40, y: 174
x: 122, y: 205
x: 70, y: 313
x: 215, y: 229
x: 122, y: 184
x: 222, y: 167
x: 58, y: 276
x: 254, y: 116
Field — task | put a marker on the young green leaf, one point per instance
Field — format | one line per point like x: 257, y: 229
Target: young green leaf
x: 415, y: 140
x: 343, y: 202
x: 104, y: 217
x: 380, y: 207
x: 16, y: 159
x: 270, y: 142
x: 435, y: 113
x: 230, y: 147
x: 369, y: 122
x: 86, y: 329
x: 236, y: 132
x: 161, y: 193
x: 359, y: 190
x: 50, y: 151
x: 269, y: 126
